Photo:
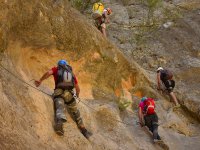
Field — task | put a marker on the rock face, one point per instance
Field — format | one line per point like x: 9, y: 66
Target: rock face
x: 34, y: 35
x: 172, y: 42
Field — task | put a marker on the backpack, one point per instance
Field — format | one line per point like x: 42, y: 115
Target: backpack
x: 97, y: 10
x: 65, y: 78
x: 149, y: 106
x: 166, y: 75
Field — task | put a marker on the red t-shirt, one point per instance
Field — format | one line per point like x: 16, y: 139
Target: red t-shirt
x: 55, y: 75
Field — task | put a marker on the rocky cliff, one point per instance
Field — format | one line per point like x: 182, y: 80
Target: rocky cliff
x: 171, y: 40
x: 34, y: 35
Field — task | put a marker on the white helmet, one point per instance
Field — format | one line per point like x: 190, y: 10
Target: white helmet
x: 160, y: 68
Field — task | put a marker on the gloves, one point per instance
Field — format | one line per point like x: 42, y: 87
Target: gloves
x: 37, y: 83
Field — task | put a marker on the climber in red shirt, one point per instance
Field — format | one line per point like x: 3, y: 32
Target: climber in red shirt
x: 65, y: 82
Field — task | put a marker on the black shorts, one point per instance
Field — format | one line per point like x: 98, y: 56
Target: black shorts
x: 169, y: 84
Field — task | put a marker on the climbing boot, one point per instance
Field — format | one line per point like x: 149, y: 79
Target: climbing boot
x: 157, y: 140
x: 85, y: 132
x: 176, y: 107
x: 59, y: 128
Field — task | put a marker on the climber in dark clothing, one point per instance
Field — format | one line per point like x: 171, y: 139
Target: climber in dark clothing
x: 151, y: 121
x: 65, y: 82
x: 165, y: 76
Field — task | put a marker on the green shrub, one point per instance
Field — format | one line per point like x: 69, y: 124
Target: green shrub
x: 123, y: 104
x: 152, y: 6
x: 78, y: 4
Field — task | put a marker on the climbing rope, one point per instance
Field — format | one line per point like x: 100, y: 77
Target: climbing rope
x: 24, y: 81
x: 107, y: 116
x: 77, y: 98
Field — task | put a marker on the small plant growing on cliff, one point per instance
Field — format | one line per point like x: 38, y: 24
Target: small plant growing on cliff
x: 81, y: 5
x: 171, y: 14
x: 78, y: 4
x: 152, y: 6
x: 123, y: 102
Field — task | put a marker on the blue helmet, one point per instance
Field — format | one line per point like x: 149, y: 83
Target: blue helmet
x: 62, y: 62
x: 143, y: 99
